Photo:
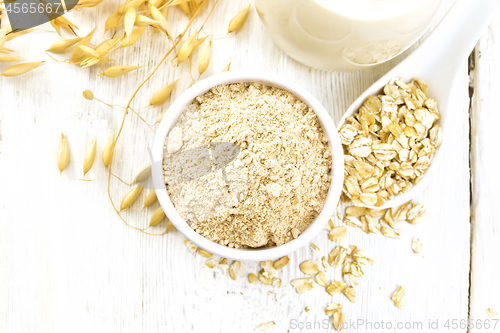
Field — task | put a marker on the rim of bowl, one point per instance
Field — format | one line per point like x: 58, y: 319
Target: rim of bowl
x: 269, y: 79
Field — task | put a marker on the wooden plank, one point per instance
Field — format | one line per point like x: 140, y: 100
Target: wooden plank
x: 68, y: 259
x: 485, y: 291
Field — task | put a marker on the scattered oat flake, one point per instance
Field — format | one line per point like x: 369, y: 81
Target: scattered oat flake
x: 397, y: 297
x: 338, y: 234
x: 282, y: 262
x: 309, y: 267
x: 492, y: 313
x: 302, y: 285
x: 235, y: 270
x: 350, y: 293
x: 190, y: 246
x: 265, y: 326
x: 338, y: 320
x: 336, y: 287
x: 331, y: 308
x: 307, y: 309
x: 416, y: 245
x: 252, y: 278
x: 210, y: 263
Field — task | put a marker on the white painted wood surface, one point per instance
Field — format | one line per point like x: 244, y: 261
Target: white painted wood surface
x: 68, y: 264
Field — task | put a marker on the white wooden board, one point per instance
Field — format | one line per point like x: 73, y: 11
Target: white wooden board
x: 67, y: 263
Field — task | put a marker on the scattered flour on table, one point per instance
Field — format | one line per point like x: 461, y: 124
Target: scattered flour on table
x: 275, y: 187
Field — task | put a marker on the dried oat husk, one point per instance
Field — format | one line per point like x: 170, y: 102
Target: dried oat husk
x: 170, y: 226
x: 107, y: 154
x: 86, y: 40
x: 162, y: 94
x: 227, y: 66
x: 106, y: 46
x: 157, y: 217
x: 150, y: 199
x: 134, y: 37
x: 160, y: 117
x: 88, y: 161
x: 62, y: 22
x: 130, y: 197
x: 128, y: 22
x: 117, y: 71
x: 143, y: 174
x: 238, y: 21
x: 22, y: 68
x: 63, y: 153
x: 8, y: 58
x: 205, y: 56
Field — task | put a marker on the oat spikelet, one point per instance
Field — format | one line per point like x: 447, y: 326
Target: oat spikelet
x: 22, y: 68
x: 87, y: 94
x: 88, y: 161
x: 144, y: 21
x: 205, y: 56
x: 63, y: 153
x: 129, y: 21
x: 238, y: 21
x: 162, y: 94
x: 134, y: 37
x: 7, y: 58
x: 227, y: 66
x: 117, y: 71
x: 150, y: 199
x: 186, y: 48
x: 107, y: 154
x: 63, y: 45
x: 130, y: 197
x: 158, y: 16
x: 143, y: 174
x: 157, y: 217
x: 112, y: 21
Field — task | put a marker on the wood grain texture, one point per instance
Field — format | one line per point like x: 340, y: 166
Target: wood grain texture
x: 67, y: 263
x: 485, y: 291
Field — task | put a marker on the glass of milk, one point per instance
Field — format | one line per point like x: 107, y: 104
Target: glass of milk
x: 345, y: 34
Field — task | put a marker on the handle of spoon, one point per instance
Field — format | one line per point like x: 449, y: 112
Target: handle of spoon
x: 451, y: 42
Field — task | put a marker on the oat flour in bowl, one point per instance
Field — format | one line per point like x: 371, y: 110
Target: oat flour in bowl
x: 247, y: 165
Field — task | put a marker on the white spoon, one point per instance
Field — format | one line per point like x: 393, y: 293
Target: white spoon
x: 437, y: 61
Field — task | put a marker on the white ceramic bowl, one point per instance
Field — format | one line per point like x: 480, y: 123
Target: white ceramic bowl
x: 269, y: 79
